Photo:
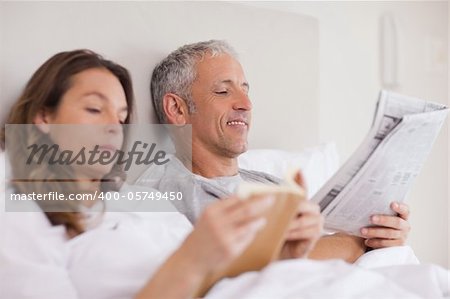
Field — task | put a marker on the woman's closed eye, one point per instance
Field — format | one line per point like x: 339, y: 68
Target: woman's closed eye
x: 93, y: 110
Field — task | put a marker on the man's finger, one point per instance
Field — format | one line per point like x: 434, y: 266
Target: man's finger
x: 401, y: 208
x: 394, y: 222
x: 381, y: 233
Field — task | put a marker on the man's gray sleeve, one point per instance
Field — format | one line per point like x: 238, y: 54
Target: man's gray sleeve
x: 197, y: 192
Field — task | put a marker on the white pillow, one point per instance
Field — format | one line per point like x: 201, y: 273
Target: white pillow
x: 318, y: 163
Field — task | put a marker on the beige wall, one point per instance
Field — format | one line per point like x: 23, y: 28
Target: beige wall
x: 350, y: 81
x: 139, y: 34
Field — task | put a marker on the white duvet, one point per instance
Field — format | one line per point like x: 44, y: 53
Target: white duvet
x: 116, y: 259
x: 336, y: 279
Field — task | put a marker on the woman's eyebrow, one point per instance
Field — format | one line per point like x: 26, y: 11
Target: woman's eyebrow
x: 103, y: 98
x: 95, y: 93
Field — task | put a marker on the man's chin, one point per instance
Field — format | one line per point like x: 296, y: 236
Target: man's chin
x: 237, y: 151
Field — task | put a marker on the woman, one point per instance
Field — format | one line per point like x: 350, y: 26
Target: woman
x: 71, y: 252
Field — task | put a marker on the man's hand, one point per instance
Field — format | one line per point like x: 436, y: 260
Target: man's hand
x: 389, y: 230
x: 304, y: 230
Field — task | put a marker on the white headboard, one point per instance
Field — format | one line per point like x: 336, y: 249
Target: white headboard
x: 278, y: 50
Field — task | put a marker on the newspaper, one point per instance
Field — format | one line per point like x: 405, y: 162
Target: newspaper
x: 384, y: 166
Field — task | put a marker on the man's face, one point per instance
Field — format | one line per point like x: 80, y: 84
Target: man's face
x: 223, y: 109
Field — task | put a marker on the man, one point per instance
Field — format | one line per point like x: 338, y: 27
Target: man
x: 203, y: 84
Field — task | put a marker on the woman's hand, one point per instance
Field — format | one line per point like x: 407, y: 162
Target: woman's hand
x: 224, y: 230
x: 305, y: 229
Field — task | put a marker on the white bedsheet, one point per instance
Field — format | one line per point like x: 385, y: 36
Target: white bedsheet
x: 336, y: 279
x: 391, y: 256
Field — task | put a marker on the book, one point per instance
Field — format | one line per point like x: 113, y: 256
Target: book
x: 384, y: 166
x: 268, y: 242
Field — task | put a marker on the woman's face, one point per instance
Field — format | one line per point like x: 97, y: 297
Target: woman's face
x: 95, y: 97
x: 94, y: 106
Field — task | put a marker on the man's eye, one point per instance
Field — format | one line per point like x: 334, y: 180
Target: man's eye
x: 222, y: 92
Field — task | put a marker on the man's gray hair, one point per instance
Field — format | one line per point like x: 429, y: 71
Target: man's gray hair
x: 176, y: 73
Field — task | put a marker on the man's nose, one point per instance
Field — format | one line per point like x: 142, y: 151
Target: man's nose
x: 243, y: 102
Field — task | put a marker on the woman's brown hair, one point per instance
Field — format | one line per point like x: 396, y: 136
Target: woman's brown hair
x: 45, y: 90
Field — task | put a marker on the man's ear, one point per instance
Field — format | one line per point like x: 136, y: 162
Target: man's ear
x: 176, y: 109
x: 41, y: 120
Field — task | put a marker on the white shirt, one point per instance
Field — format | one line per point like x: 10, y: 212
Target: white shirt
x: 113, y: 259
